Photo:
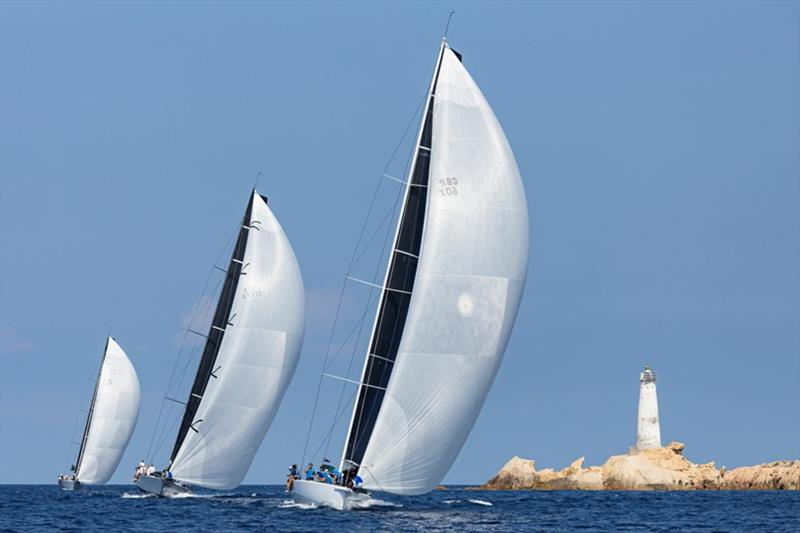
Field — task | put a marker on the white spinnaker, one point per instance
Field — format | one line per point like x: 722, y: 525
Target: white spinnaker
x: 256, y: 361
x: 116, y: 408
x: 469, y: 282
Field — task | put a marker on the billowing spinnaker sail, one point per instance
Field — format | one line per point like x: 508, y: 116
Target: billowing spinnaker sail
x: 112, y: 419
x: 469, y: 282
x: 255, y: 363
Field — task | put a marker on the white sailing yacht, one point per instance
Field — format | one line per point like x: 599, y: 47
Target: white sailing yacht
x: 449, y: 300
x: 248, y: 360
x: 110, y: 422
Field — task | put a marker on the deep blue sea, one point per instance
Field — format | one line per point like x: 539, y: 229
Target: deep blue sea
x: 266, y: 508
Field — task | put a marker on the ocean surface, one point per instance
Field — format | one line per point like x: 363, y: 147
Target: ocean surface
x: 267, y: 508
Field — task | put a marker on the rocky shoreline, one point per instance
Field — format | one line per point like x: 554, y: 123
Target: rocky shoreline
x: 663, y: 468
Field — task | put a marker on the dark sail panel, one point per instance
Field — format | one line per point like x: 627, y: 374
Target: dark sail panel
x: 206, y: 369
x: 91, y: 412
x: 395, y: 300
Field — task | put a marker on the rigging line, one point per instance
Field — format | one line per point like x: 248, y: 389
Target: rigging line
x: 378, y: 185
x: 391, y: 211
x: 350, y: 267
x: 380, y: 488
x: 258, y: 177
x: 405, y: 132
x: 166, y: 434
x: 183, y: 343
x: 350, y: 335
x: 410, y: 169
x: 369, y: 300
x: 228, y: 306
x: 333, y: 425
x: 351, y: 264
x: 77, y: 423
x: 174, y: 382
x: 389, y: 215
x: 324, y: 362
x: 352, y: 356
x: 378, y: 265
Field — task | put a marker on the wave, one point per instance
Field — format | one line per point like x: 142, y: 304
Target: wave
x: 480, y: 502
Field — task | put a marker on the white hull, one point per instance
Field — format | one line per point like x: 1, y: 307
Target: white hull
x: 334, y: 496
x: 161, y: 487
x: 69, y: 484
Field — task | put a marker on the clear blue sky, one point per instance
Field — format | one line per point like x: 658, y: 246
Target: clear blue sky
x: 658, y: 143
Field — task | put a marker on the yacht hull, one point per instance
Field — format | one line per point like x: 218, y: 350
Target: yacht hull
x: 160, y: 486
x: 329, y: 495
x: 69, y: 484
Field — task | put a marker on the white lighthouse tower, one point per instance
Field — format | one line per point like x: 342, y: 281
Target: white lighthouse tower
x: 648, y: 431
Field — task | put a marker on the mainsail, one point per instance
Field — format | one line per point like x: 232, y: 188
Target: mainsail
x: 112, y: 417
x: 452, y: 297
x: 250, y: 356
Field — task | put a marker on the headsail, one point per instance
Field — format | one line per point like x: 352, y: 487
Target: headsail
x: 112, y: 417
x: 469, y: 282
x: 258, y: 333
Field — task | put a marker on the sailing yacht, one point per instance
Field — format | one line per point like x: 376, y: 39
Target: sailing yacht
x: 448, y: 303
x: 109, y: 425
x: 249, y: 358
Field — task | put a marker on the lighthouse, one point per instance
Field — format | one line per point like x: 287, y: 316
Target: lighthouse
x: 648, y: 432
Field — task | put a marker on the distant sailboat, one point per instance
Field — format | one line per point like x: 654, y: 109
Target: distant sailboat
x: 110, y: 422
x: 249, y: 358
x: 452, y: 289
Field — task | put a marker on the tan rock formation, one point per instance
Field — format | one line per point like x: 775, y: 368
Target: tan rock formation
x: 780, y: 475
x: 517, y: 473
x: 653, y: 469
x: 658, y: 468
x: 522, y: 474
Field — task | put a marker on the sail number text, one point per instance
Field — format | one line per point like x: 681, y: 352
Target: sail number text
x: 448, y: 186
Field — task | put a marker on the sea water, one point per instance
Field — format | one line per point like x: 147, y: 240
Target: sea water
x: 268, y: 508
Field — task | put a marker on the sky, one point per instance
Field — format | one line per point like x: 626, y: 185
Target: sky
x: 659, y: 145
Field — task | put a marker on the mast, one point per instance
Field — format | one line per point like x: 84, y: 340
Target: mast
x: 387, y: 329
x: 91, y: 411
x: 206, y: 369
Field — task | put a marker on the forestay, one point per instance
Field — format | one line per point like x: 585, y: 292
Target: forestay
x: 255, y: 361
x: 469, y: 282
x: 112, y: 417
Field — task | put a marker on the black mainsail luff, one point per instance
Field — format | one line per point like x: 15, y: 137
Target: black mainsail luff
x: 396, y: 296
x: 206, y: 369
x: 91, y: 412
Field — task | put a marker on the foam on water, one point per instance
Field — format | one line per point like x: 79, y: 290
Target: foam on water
x: 291, y: 504
x: 136, y: 496
x: 480, y: 502
x: 184, y: 495
x: 374, y: 502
